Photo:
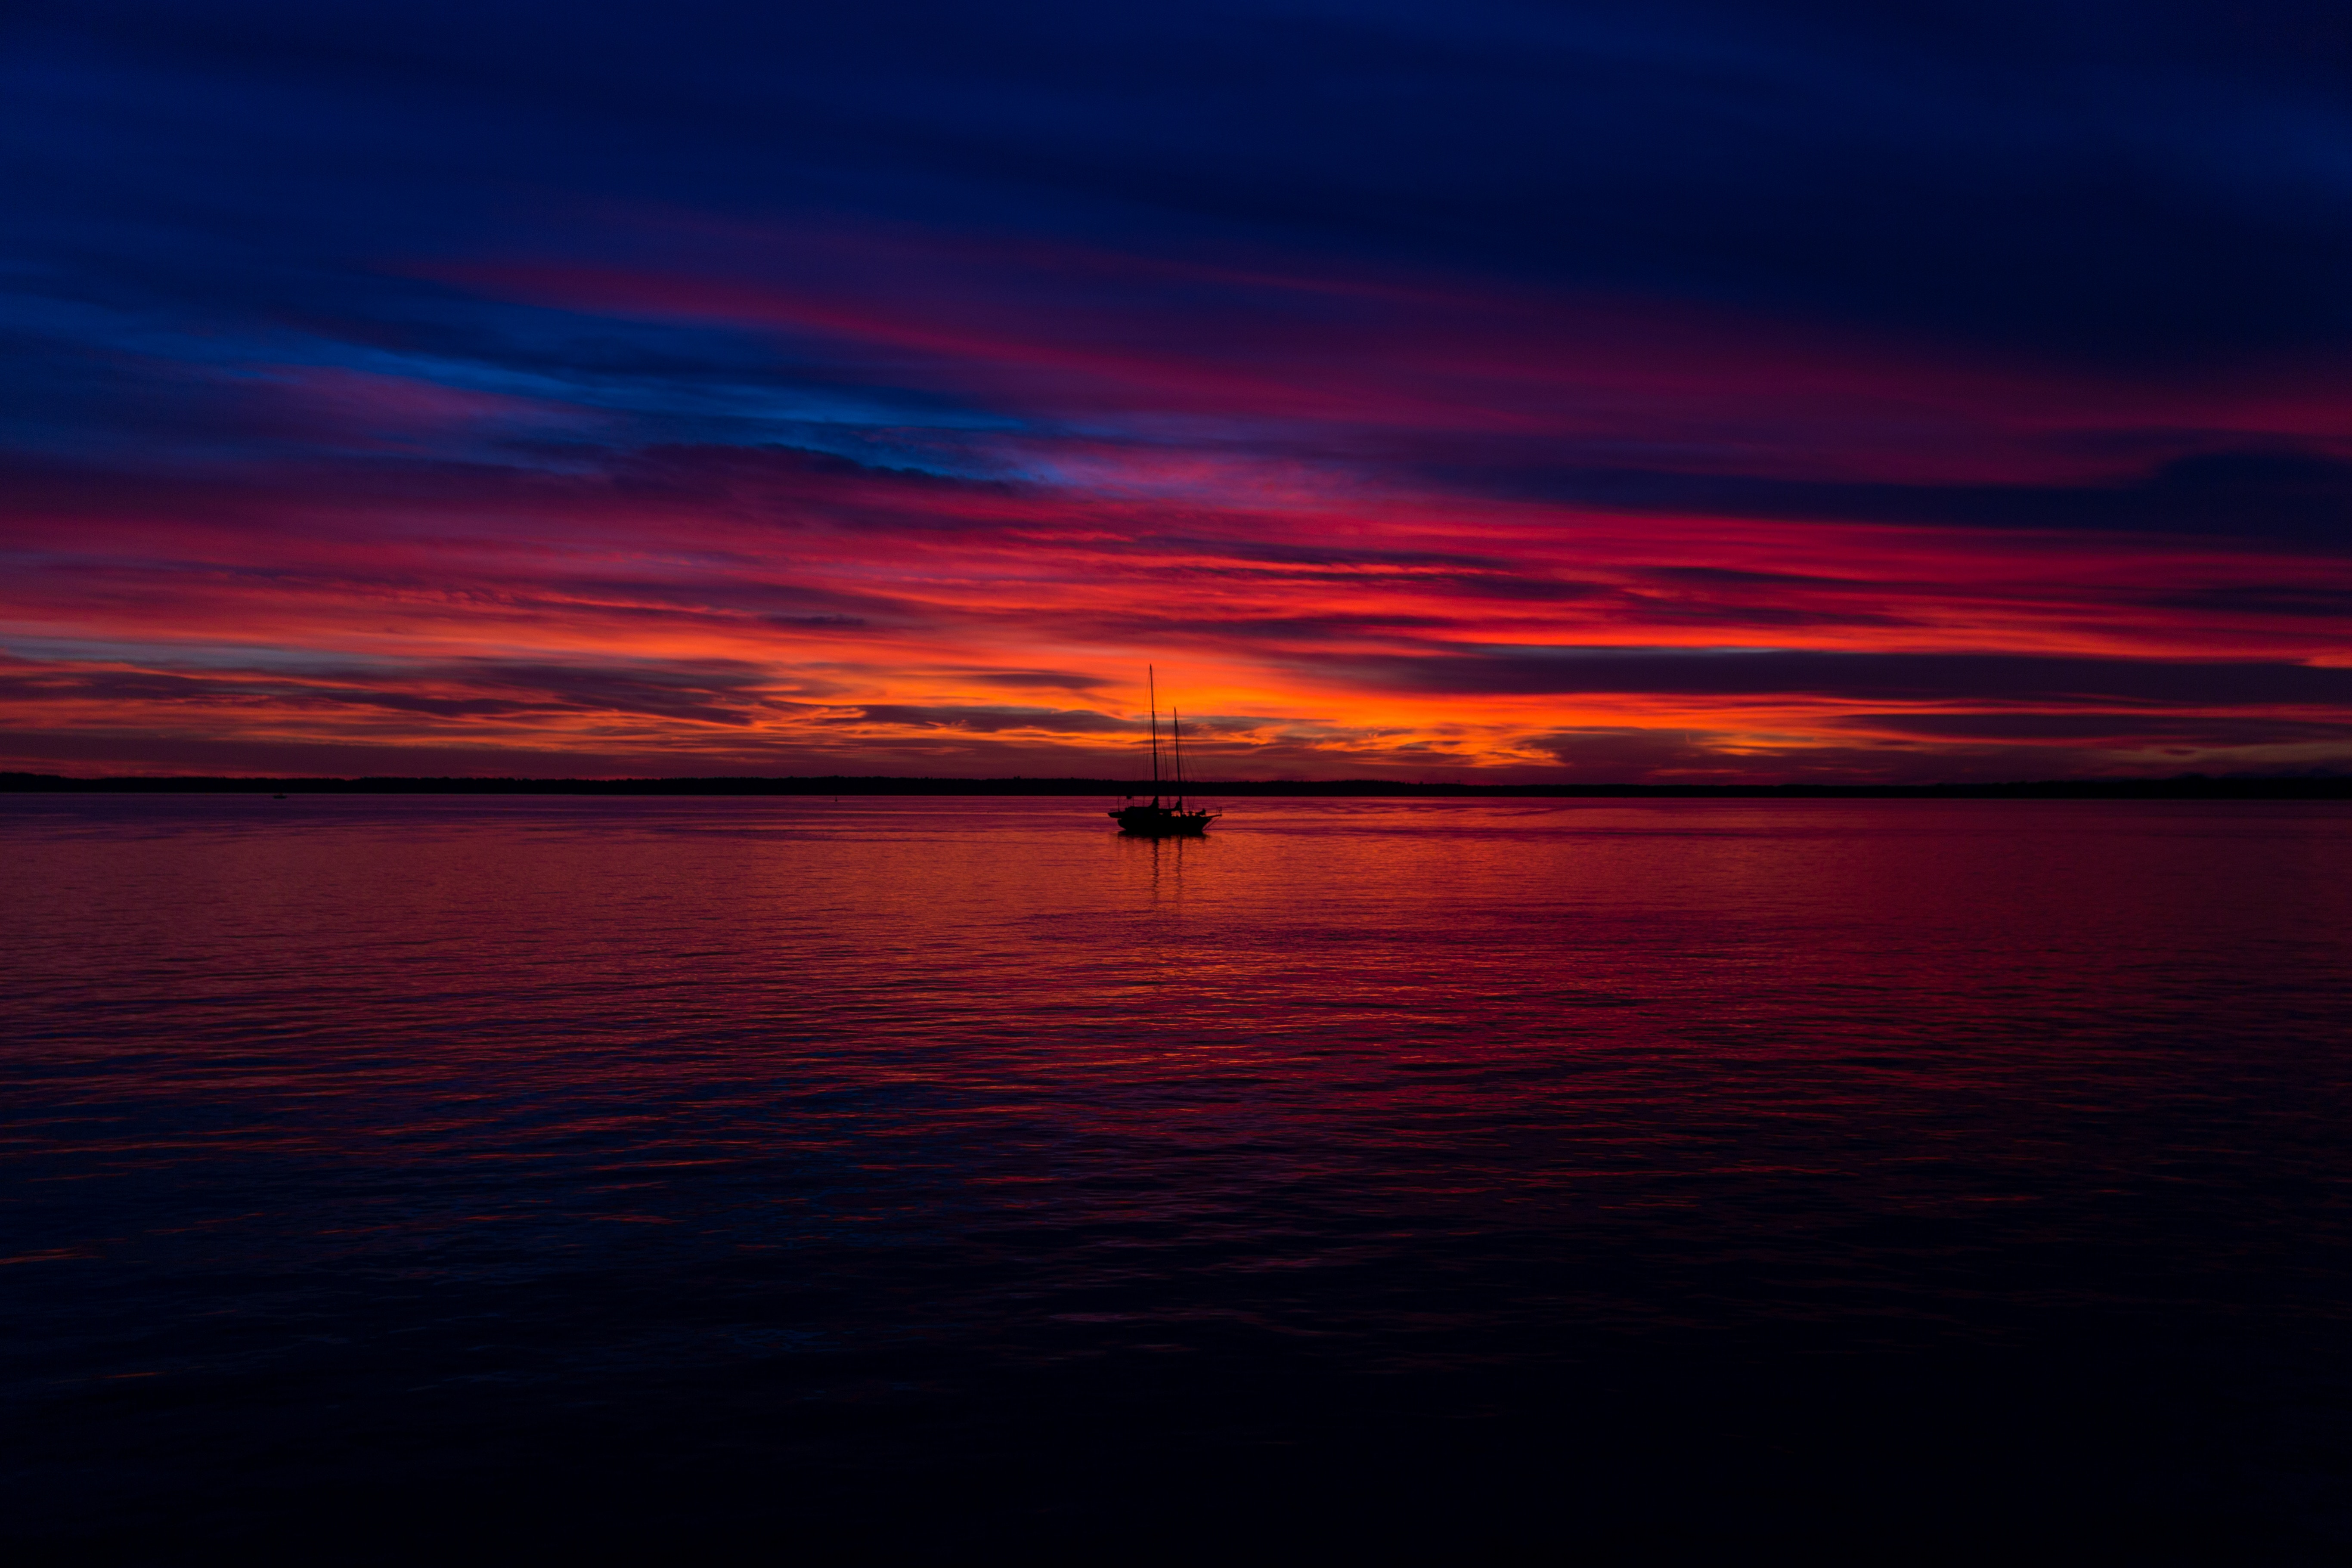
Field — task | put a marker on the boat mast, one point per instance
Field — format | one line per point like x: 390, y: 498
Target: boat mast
x: 1176, y: 733
x: 1151, y: 689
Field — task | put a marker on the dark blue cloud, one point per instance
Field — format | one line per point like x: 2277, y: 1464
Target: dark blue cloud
x: 1863, y: 677
x: 2124, y: 181
x: 710, y: 694
x: 2303, y: 496
x: 987, y: 721
x: 2140, y: 729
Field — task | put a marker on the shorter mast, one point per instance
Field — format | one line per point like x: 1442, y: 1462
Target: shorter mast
x: 1151, y: 691
x: 1176, y: 732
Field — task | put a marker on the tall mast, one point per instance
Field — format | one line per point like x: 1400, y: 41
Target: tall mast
x: 1151, y: 689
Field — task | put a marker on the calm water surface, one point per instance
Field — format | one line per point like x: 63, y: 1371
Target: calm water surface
x: 956, y: 1171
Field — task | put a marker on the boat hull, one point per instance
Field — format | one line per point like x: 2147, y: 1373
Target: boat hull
x: 1160, y: 822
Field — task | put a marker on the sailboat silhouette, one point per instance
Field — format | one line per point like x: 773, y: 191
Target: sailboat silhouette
x: 1158, y: 820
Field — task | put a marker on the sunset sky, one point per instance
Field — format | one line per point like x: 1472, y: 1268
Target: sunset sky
x: 1517, y: 392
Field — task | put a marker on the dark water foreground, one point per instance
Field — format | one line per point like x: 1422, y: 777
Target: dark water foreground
x: 1897, y: 1179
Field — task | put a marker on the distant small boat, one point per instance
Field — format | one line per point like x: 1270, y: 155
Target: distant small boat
x: 1159, y: 820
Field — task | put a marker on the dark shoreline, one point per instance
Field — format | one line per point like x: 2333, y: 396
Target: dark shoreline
x: 2188, y: 787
